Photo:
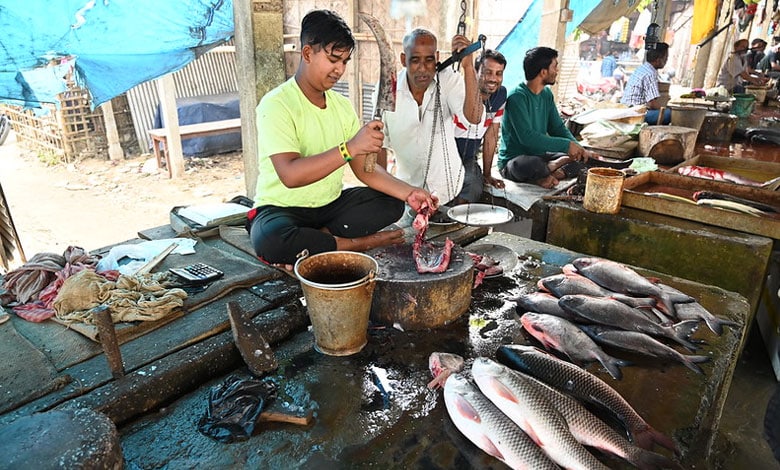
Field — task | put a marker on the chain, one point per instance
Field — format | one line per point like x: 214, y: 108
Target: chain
x: 438, y: 121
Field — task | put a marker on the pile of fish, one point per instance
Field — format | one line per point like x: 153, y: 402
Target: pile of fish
x: 597, y: 302
x: 529, y: 411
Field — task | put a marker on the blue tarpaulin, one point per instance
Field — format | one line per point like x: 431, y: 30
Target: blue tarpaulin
x: 109, y: 45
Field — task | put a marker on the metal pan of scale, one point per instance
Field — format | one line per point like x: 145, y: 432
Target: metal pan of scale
x: 482, y: 215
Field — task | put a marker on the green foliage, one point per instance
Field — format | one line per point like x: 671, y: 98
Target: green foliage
x: 49, y: 158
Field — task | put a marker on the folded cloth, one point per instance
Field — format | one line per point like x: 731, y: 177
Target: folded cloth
x: 130, y: 298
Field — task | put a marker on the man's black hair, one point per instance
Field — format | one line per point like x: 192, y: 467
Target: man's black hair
x: 490, y: 54
x: 661, y: 49
x: 538, y: 59
x: 325, y: 27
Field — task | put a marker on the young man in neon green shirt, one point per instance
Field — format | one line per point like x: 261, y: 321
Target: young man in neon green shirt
x: 306, y: 134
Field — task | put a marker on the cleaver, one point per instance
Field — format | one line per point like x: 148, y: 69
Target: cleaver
x: 385, y: 100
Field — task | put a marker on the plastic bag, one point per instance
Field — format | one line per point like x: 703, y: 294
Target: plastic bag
x: 234, y: 407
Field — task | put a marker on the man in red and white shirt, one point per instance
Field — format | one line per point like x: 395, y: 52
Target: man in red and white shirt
x: 469, y: 137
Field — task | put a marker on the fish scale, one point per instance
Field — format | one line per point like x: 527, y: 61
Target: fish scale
x: 583, y: 385
x: 489, y: 429
x: 533, y: 412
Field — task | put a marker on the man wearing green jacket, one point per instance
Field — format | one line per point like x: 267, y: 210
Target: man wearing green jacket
x: 536, y: 147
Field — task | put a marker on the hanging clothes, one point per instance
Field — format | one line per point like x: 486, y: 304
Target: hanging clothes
x: 704, y: 14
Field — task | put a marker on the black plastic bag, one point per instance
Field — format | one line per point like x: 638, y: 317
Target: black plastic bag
x: 234, y: 407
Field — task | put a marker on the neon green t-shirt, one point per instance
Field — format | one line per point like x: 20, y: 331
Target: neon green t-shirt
x: 288, y: 122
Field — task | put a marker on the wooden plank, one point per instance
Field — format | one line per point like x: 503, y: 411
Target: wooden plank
x: 202, y: 128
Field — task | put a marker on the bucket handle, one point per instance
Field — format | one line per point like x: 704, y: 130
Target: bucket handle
x: 302, y: 255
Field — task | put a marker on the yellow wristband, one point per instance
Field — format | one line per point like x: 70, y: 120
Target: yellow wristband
x: 345, y: 152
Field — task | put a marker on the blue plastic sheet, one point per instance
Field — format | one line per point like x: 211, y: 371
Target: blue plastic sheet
x: 110, y: 45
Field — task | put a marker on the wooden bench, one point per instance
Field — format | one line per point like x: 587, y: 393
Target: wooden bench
x: 189, y: 131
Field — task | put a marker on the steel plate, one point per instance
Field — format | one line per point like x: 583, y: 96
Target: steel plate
x: 482, y: 215
x: 506, y: 257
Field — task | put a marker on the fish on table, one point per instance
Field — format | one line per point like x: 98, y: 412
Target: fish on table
x: 716, y: 174
x: 617, y: 314
x: 695, y: 311
x: 530, y: 409
x: 573, y: 283
x: 566, y: 337
x: 622, y: 279
x: 643, y: 344
x: 488, y: 428
x: 541, y: 302
x: 585, y: 386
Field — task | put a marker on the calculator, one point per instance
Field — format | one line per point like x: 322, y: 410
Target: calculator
x: 198, y: 272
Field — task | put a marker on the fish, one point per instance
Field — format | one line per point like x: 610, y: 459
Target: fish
x: 591, y: 431
x: 568, y: 284
x: 715, y: 174
x: 728, y: 197
x: 542, y: 302
x: 695, y: 311
x: 620, y: 278
x: 533, y: 413
x: 442, y: 365
x: 568, y: 338
x: 615, y: 314
x: 488, y: 428
x: 583, y: 385
x: 731, y: 206
x: 643, y: 344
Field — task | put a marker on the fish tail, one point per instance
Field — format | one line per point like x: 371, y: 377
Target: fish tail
x: 683, y: 331
x: 716, y: 324
x: 692, y: 362
x: 613, y: 365
x: 648, y: 460
x: 648, y: 436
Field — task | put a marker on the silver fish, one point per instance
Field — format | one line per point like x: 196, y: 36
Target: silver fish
x: 620, y: 278
x: 489, y: 429
x: 695, y: 311
x: 591, y: 431
x: 616, y: 314
x: 572, y: 283
x: 568, y: 338
x: 533, y: 412
x: 641, y: 343
x: 542, y: 302
x: 585, y: 386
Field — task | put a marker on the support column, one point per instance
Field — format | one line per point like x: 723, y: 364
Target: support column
x: 552, y: 31
x: 174, y: 156
x: 259, y: 39
x: 115, y: 152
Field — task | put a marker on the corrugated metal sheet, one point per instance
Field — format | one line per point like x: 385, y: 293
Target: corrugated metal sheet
x: 212, y: 73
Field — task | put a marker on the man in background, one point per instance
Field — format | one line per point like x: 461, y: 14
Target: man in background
x: 734, y: 74
x: 469, y: 137
x: 642, y: 87
x: 536, y: 146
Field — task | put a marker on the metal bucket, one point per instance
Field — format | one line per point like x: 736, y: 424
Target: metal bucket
x: 688, y: 116
x: 338, y: 287
x: 603, y: 190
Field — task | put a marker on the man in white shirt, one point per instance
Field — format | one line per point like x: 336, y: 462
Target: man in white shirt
x: 421, y: 129
x: 734, y: 73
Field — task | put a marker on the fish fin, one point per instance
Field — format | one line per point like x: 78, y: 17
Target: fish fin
x: 691, y: 362
x: 466, y: 410
x: 682, y: 331
x: 499, y: 388
x: 649, y: 460
x: 636, y: 302
x: 716, y: 324
x: 490, y: 448
x: 649, y: 436
x: 613, y: 366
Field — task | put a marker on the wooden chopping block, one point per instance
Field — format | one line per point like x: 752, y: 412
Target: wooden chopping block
x: 668, y: 145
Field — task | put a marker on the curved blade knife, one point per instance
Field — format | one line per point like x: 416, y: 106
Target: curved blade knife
x: 385, y: 100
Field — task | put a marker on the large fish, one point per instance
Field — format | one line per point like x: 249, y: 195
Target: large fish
x: 619, y: 315
x: 585, y: 386
x: 568, y: 338
x: 489, y: 429
x: 641, y: 343
x: 542, y: 302
x: 572, y: 284
x: 533, y: 412
x: 715, y: 174
x: 591, y: 431
x: 694, y: 311
x: 622, y: 279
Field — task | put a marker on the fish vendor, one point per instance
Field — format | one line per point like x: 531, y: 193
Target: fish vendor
x: 307, y: 133
x: 642, y: 87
